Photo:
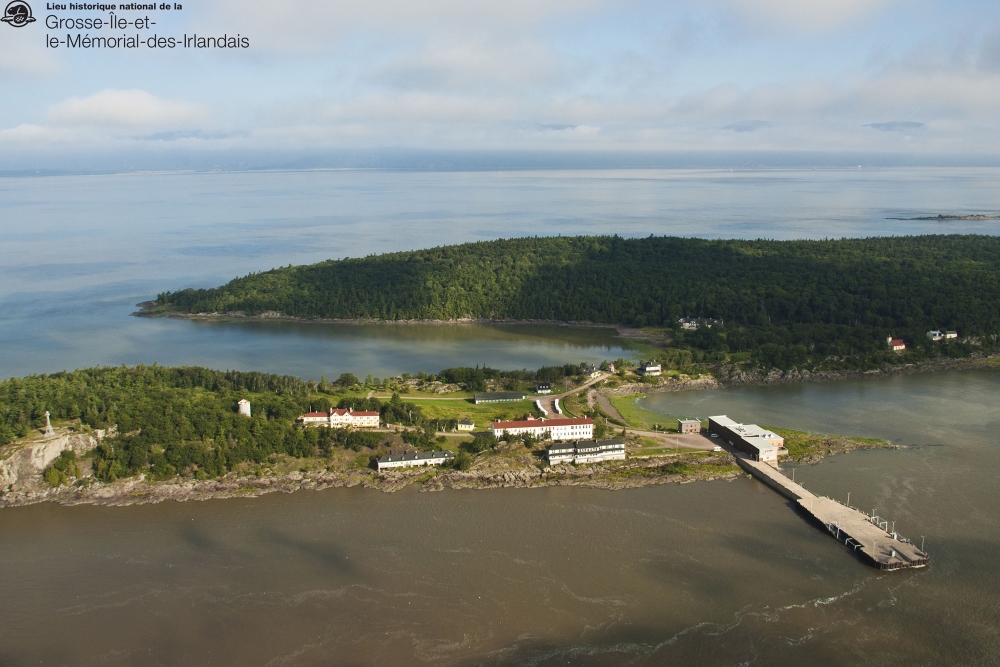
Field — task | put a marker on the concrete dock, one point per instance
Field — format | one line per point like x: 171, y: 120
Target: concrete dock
x: 861, y: 533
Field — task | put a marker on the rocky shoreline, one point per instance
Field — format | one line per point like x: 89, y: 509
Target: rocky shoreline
x: 733, y: 377
x: 490, y: 473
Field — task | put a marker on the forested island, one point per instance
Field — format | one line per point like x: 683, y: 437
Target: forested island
x: 150, y: 433
x: 820, y: 305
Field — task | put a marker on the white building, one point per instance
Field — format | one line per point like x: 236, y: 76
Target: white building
x: 412, y: 459
x: 547, y: 429
x: 935, y: 335
x: 243, y: 407
x: 341, y: 418
x: 951, y: 334
x: 759, y: 443
x: 896, y: 344
x: 586, y: 451
x: 651, y: 368
x: 466, y: 425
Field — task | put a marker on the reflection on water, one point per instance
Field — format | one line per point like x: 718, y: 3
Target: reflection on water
x: 716, y: 573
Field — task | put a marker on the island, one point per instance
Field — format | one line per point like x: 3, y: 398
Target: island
x: 742, y: 311
x: 144, y: 434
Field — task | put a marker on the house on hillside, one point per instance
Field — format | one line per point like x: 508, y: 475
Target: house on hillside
x: 896, y: 344
x: 935, y: 334
x: 543, y: 388
x: 341, y: 418
x: 692, y: 323
x: 466, y: 425
x: 650, y: 368
x: 950, y: 334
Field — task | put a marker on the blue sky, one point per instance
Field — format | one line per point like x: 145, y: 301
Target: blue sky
x: 858, y: 75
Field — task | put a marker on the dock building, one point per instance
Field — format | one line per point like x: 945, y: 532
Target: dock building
x: 499, y: 397
x: 413, y: 459
x: 547, y: 429
x: 341, y: 418
x: 758, y: 443
x: 586, y: 451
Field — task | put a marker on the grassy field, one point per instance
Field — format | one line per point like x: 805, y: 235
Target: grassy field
x: 639, y: 417
x: 482, y: 414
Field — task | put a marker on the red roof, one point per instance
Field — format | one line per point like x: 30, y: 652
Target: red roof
x: 526, y: 423
x: 897, y: 341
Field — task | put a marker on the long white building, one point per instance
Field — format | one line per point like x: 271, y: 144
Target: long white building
x: 547, y: 429
x: 586, y: 451
x: 341, y: 418
x: 411, y: 459
x: 759, y: 443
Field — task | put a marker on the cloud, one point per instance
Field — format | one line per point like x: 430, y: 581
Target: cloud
x: 896, y: 126
x: 125, y: 109
x: 808, y: 15
x: 749, y: 125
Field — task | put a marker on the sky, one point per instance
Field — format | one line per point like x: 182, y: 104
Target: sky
x: 915, y: 77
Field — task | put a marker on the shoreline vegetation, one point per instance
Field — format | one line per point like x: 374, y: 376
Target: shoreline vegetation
x: 728, y: 307
x: 146, y: 434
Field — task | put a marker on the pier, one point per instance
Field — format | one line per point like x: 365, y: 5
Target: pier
x: 863, y: 534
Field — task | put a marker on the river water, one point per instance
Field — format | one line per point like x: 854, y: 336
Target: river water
x: 718, y: 573
x: 715, y: 573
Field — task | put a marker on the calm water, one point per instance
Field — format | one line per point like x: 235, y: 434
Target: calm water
x: 708, y: 573
x: 79, y: 251
x: 720, y: 573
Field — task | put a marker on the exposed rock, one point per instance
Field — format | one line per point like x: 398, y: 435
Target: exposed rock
x: 22, y: 463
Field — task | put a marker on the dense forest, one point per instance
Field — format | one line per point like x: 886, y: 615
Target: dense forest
x: 783, y: 303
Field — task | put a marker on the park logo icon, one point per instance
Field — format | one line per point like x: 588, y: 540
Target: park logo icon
x: 17, y: 14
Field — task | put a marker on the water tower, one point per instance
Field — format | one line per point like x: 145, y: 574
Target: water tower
x: 243, y: 407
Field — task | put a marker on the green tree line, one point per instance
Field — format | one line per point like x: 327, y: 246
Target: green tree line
x: 783, y: 302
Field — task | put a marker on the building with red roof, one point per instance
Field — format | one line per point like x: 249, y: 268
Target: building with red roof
x: 547, y: 429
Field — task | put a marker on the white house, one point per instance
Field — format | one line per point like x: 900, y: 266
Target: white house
x: 586, y: 451
x: 935, y: 335
x: 341, y: 418
x: 547, y: 429
x: 896, y: 344
x: 651, y: 368
x: 951, y: 334
x: 243, y: 407
x: 466, y: 425
x: 412, y: 459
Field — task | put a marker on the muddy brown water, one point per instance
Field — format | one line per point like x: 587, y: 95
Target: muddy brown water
x: 718, y: 573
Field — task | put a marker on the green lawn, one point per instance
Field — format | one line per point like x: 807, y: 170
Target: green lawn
x: 639, y: 417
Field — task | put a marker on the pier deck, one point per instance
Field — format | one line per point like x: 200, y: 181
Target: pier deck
x: 857, y: 530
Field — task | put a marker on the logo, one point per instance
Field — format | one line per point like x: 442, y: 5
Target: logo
x: 18, y: 14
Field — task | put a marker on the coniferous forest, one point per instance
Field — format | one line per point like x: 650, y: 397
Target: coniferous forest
x: 783, y: 303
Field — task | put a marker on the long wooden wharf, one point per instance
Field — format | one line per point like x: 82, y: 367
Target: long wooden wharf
x: 864, y: 534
